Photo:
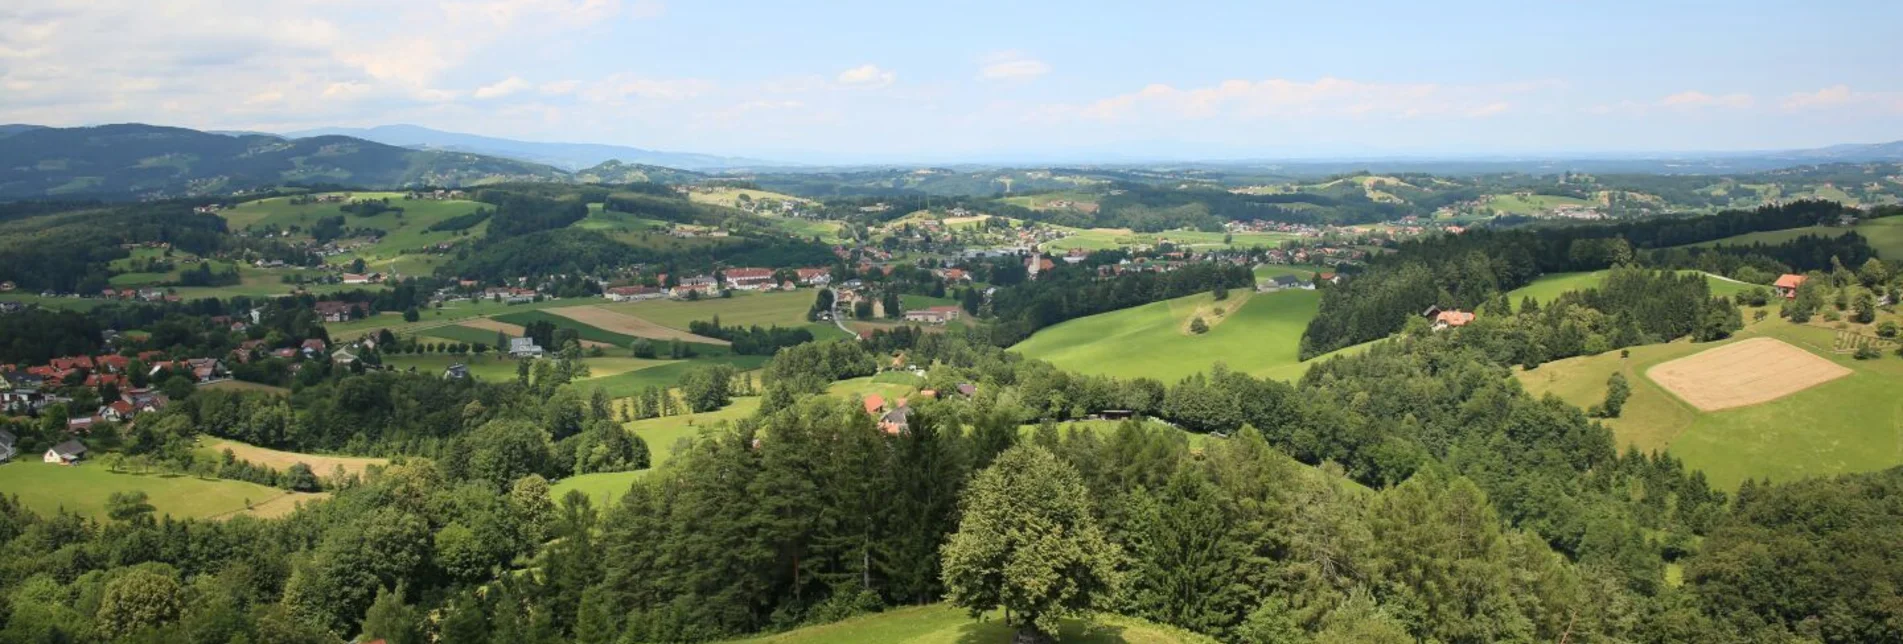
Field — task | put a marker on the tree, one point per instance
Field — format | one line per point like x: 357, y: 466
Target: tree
x: 141, y: 598
x: 1198, y: 326
x: 391, y: 621
x: 411, y: 315
x: 1866, y: 308
x: 1028, y: 542
x: 890, y: 302
x: 300, y: 478
x: 708, y: 388
x: 1220, y: 292
x: 1617, y: 390
x: 130, y: 507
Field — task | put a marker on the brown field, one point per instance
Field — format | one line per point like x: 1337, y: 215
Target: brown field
x: 622, y: 323
x: 322, y: 465
x: 1744, y: 373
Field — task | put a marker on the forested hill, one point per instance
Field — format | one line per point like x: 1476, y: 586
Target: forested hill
x: 130, y: 161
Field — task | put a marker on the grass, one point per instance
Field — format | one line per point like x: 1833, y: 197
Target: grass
x: 586, y: 332
x: 1266, y: 272
x: 1852, y: 424
x: 280, y: 460
x: 1531, y: 204
x: 240, y: 385
x: 910, y: 302
x: 459, y: 333
x: 1885, y: 234
x: 83, y: 489
x: 665, y: 374
x: 783, y: 308
x: 944, y: 624
x: 888, y: 385
x: 489, y: 366
x: 449, y: 313
x: 1263, y: 338
x: 58, y: 303
x: 1549, y: 287
x: 661, y: 435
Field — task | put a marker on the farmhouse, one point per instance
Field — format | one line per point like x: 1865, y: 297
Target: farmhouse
x: 1787, y: 284
x: 633, y: 293
x: 7, y: 442
x: 66, y: 453
x: 893, y: 422
x: 458, y: 371
x: 314, y: 347
x: 334, y: 311
x: 524, y: 348
x: 1280, y: 282
x: 750, y: 279
x: 362, y: 278
x: 814, y: 276
x: 1446, y: 319
x: 934, y: 315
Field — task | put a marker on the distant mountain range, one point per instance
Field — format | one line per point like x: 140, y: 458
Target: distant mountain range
x: 139, y: 161
x: 567, y: 156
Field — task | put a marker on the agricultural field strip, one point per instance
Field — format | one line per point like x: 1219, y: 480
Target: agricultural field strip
x: 1744, y: 373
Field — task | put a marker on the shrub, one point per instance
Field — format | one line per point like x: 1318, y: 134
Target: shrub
x: 1887, y: 329
x: 1198, y: 326
x: 1868, y: 352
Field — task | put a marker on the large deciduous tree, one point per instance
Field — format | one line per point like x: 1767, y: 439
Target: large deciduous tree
x: 1029, y: 543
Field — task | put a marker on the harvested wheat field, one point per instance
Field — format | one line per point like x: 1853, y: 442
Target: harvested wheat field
x: 622, y: 323
x: 321, y: 465
x: 516, y: 330
x: 1744, y: 373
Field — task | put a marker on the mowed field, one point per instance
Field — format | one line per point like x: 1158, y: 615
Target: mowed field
x: 320, y: 464
x: 782, y: 308
x: 621, y: 323
x: 1262, y: 338
x: 1852, y: 423
x: 1108, y: 238
x: 83, y: 489
x: 1744, y: 373
x: 944, y: 624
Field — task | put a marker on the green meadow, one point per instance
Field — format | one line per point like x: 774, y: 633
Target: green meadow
x: 1263, y: 338
x: 1851, y: 424
x: 403, y: 232
x: 944, y: 624
x: 661, y: 436
x: 782, y: 308
x: 1108, y: 238
x: 1885, y: 234
x: 46, y: 489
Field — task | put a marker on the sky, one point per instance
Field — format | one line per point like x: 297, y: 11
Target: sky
x: 1056, y: 80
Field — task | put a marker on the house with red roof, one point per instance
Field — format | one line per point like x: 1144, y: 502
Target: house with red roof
x: 1786, y: 285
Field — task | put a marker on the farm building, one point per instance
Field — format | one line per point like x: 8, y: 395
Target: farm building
x: 1446, y: 319
x: 524, y: 348
x: 934, y: 315
x: 1787, y: 284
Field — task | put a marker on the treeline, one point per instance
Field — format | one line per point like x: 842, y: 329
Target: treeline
x: 753, y: 340
x: 1766, y: 261
x: 1068, y: 293
x: 461, y: 222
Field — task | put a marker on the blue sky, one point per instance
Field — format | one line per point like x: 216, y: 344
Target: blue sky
x: 994, y: 81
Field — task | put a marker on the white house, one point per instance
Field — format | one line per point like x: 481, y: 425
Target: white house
x: 524, y: 348
x: 66, y: 453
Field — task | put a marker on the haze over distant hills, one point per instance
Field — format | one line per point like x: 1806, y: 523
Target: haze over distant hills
x: 567, y: 156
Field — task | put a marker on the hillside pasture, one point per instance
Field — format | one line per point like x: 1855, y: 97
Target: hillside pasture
x: 1743, y: 373
x: 402, y: 232
x: 662, y: 436
x: 1260, y: 336
x: 587, y: 332
x: 1547, y: 288
x: 1109, y: 238
x: 83, y: 489
x: 1848, y: 424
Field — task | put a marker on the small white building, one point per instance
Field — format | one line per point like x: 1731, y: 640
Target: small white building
x: 66, y: 453
x: 524, y: 348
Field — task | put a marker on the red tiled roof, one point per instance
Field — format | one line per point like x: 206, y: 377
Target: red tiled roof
x: 1788, y: 280
x: 874, y: 403
x: 1454, y: 318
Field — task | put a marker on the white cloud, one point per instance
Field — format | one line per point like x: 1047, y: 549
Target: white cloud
x: 1696, y: 100
x: 1011, y: 66
x: 559, y: 88
x: 618, y: 88
x: 867, y: 75
x: 1832, y: 96
x: 502, y: 88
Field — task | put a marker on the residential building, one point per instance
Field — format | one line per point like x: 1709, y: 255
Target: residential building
x: 7, y: 445
x: 633, y: 293
x: 66, y: 453
x: 1447, y: 319
x: 814, y: 276
x: 458, y: 371
x: 1787, y: 284
x: 749, y: 279
x: 333, y: 311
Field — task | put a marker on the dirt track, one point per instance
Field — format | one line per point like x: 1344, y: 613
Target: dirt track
x: 1744, y: 373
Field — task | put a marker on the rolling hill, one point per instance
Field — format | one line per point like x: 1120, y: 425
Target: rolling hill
x: 568, y: 156
x: 128, y: 161
x: 1260, y: 334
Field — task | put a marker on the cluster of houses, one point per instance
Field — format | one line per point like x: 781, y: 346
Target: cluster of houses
x: 739, y: 279
x: 892, y: 415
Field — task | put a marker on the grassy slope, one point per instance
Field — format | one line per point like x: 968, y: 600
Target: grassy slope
x: 1548, y: 287
x: 450, y: 313
x: 944, y: 624
x: 83, y: 489
x: 406, y: 232
x: 1261, y: 339
x: 321, y: 464
x: 1852, y: 424
x: 661, y: 434
x: 587, y: 332
x: 1885, y: 235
